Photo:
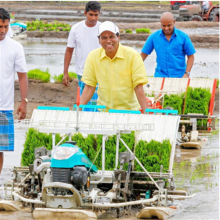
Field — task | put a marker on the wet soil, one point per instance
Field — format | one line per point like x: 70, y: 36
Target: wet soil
x: 204, y: 41
x: 47, y: 94
x: 80, y: 5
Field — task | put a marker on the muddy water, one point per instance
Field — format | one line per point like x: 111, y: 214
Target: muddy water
x: 196, y: 171
x: 51, y: 56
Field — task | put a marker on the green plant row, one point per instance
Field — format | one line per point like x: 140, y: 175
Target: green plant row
x: 174, y: 101
x: 58, y: 26
x: 45, y: 26
x: 59, y: 78
x: 44, y: 76
x: 38, y: 74
x: 197, y: 101
x: 152, y: 154
x: 143, y: 30
x: 138, y: 30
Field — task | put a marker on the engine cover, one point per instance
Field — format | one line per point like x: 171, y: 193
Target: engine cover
x: 79, y: 177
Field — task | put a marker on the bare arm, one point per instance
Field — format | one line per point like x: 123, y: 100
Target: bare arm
x: 87, y: 94
x: 144, y: 56
x: 189, y: 65
x: 23, y: 84
x: 139, y: 90
x: 67, y: 59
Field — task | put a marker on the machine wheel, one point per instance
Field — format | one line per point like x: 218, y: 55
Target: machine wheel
x: 179, y: 19
x: 214, y: 15
x: 196, y: 18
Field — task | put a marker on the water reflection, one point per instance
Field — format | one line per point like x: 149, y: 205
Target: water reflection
x: 199, y: 173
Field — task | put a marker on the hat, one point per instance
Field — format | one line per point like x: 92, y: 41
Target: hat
x: 108, y: 26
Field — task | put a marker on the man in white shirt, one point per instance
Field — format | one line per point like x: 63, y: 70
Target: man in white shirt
x: 83, y: 38
x: 205, y: 6
x: 12, y: 59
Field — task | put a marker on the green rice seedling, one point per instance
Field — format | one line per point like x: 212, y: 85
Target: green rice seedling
x: 143, y: 30
x: 153, y: 154
x: 174, y: 101
x: 72, y: 75
x: 59, y: 78
x: 197, y: 101
x: 217, y: 85
x: 128, y: 31
x: 38, y: 74
x: 89, y: 146
x: 12, y: 15
x: 44, y: 26
x: 215, y: 132
x: 35, y: 139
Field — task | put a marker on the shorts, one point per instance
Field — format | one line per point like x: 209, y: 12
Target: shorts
x: 6, y: 131
x: 94, y: 98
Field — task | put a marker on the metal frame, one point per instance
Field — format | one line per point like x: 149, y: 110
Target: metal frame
x: 105, y: 129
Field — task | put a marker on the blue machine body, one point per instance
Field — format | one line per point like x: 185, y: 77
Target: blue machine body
x: 77, y: 159
x: 22, y: 25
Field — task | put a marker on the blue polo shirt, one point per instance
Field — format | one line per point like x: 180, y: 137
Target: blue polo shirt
x: 170, y: 54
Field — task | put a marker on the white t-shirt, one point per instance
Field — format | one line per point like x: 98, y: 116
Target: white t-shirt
x: 83, y: 39
x: 12, y: 60
x: 10, y: 32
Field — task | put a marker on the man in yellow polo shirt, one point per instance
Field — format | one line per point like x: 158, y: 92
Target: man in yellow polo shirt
x: 119, y: 71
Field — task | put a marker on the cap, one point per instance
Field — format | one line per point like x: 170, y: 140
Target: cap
x: 108, y: 26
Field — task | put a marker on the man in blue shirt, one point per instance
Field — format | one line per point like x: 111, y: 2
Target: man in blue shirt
x: 171, y: 46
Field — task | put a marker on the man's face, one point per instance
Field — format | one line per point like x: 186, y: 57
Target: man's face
x: 4, y: 25
x: 167, y: 26
x: 91, y: 18
x: 109, y: 41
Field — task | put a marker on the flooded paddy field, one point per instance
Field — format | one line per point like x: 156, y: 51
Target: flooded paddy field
x: 50, y: 55
x: 196, y: 171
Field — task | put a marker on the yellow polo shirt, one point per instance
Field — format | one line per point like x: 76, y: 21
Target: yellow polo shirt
x: 116, y: 77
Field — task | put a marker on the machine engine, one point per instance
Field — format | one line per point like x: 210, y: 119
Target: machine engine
x: 70, y: 165
x: 77, y: 176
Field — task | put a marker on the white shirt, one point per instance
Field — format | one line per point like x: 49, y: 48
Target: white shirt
x: 12, y: 60
x: 10, y: 32
x: 83, y: 39
x: 205, y: 4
